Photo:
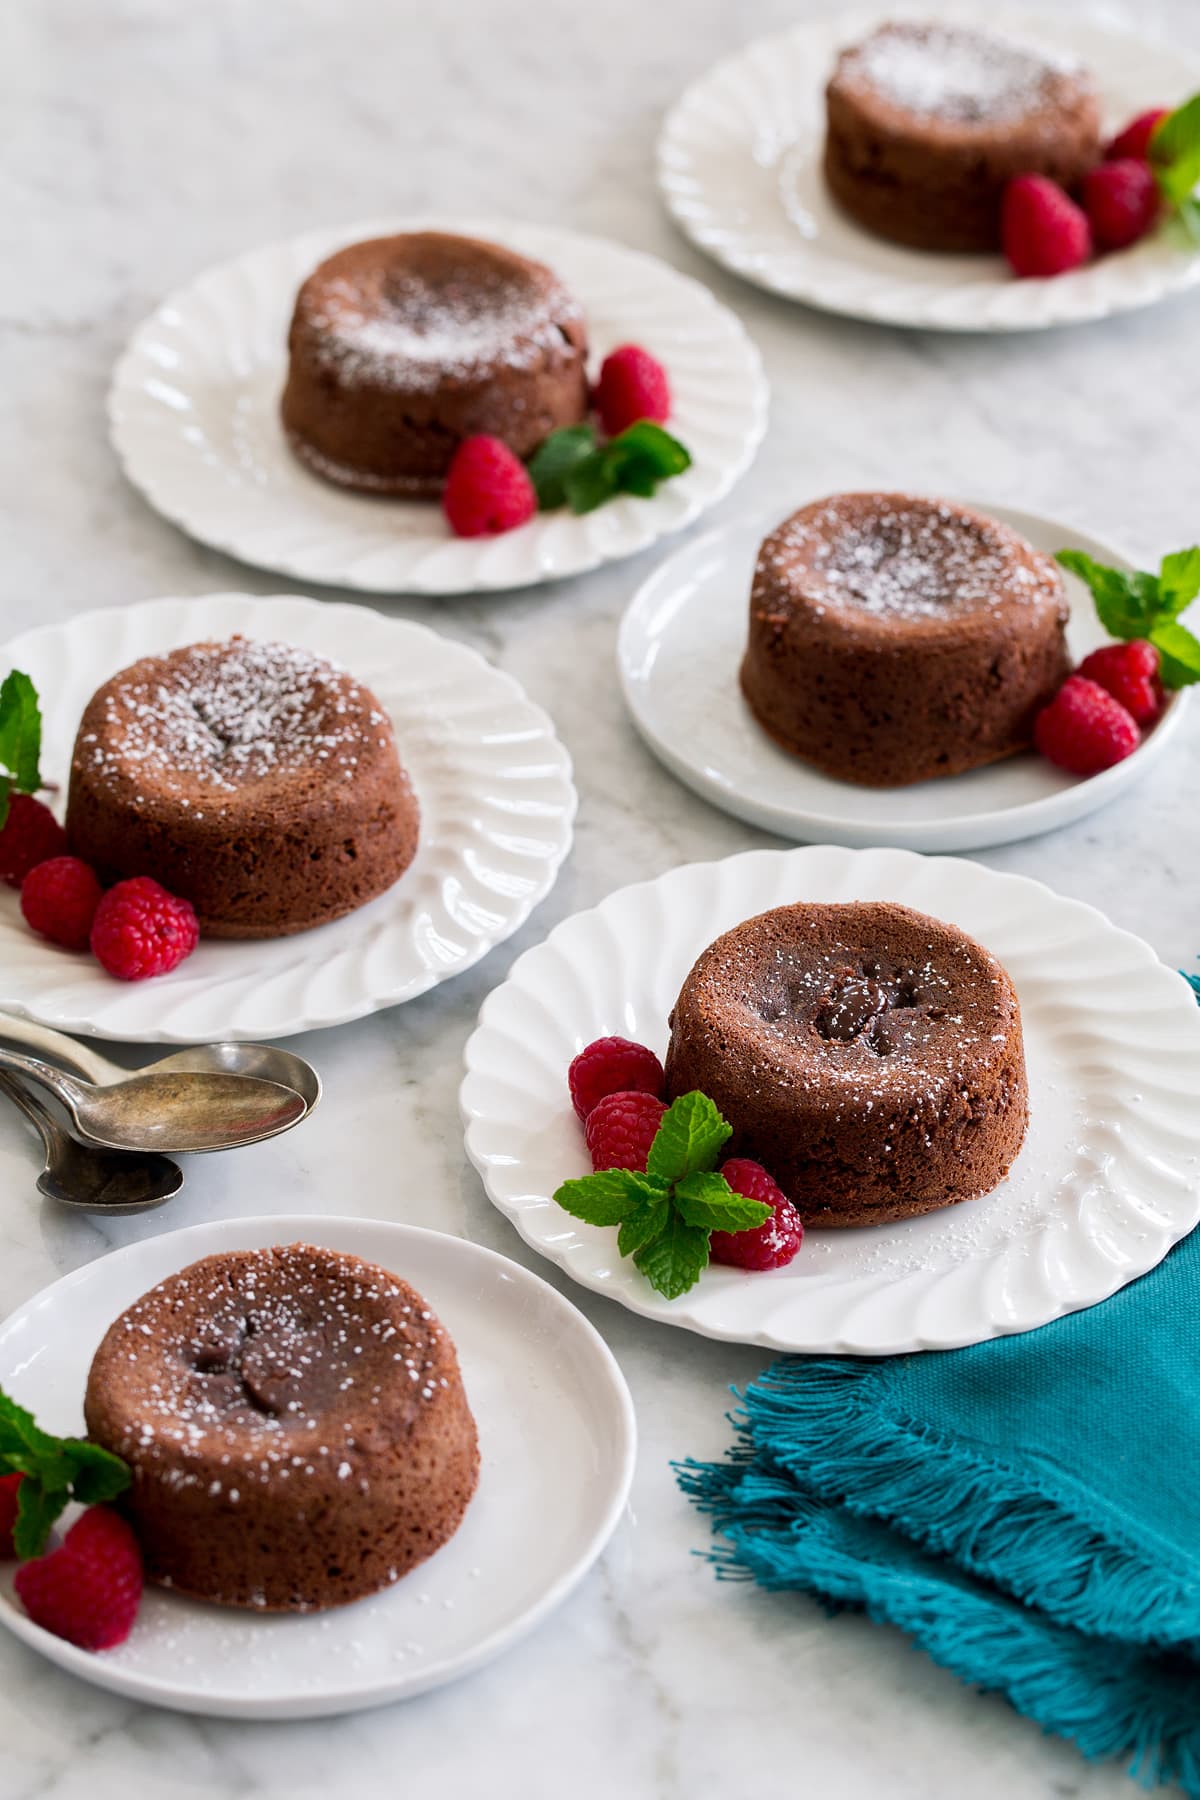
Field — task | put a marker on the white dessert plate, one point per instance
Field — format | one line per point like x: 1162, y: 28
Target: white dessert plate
x: 1107, y: 1180
x: 194, y: 411
x: 739, y: 165
x: 557, y: 1442
x: 497, y: 805
x: 678, y: 654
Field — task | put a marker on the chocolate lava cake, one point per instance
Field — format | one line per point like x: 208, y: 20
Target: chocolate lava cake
x: 295, y: 1424
x: 893, y: 639
x: 401, y: 347
x: 256, y: 780
x: 927, y: 123
x: 869, y: 1057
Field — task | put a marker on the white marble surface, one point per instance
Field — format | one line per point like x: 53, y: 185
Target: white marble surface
x: 146, y: 139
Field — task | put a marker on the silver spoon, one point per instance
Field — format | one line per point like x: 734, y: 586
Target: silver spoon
x: 107, y: 1181
x: 170, y: 1111
x: 261, y: 1060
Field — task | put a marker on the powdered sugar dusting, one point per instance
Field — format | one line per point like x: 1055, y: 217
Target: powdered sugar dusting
x: 950, y: 72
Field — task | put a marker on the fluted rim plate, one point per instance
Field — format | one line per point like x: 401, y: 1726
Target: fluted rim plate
x: 194, y: 416
x: 497, y: 809
x: 739, y: 166
x: 1107, y: 1180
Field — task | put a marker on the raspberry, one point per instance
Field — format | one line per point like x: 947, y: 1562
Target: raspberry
x: 1121, y: 200
x: 633, y: 385
x: 621, y: 1128
x: 59, y: 900
x: 487, y: 489
x: 140, y: 930
x: 1084, y: 729
x: 31, y: 834
x: 769, y: 1245
x: 89, y: 1589
x: 612, y: 1065
x: 1043, y: 230
x: 8, y: 1513
x: 1129, y: 672
x: 1135, y: 139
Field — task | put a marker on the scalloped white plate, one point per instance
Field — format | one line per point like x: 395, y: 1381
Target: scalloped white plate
x: 497, y: 805
x: 1108, y: 1178
x: 739, y: 165
x: 678, y: 654
x: 194, y: 411
x: 557, y: 1441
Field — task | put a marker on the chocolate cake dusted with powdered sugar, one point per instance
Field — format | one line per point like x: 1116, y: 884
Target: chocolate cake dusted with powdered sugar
x: 401, y: 347
x: 257, y: 780
x: 296, y: 1427
x: 870, y: 1057
x: 894, y: 638
x: 928, y: 122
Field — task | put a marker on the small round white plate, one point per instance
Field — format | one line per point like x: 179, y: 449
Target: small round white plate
x: 1108, y: 1178
x: 678, y: 655
x: 497, y: 805
x: 194, y: 410
x: 739, y: 165
x: 557, y: 1443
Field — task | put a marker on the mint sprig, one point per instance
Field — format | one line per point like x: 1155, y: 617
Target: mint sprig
x: 571, y: 469
x: 1140, y: 605
x: 1175, y: 152
x: 20, y: 739
x: 56, y: 1471
x: 667, y: 1214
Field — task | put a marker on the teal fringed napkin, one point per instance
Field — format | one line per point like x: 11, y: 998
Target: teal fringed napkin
x: 1028, y: 1510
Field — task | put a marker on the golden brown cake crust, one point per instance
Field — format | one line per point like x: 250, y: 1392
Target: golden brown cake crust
x: 893, y: 638
x: 295, y: 1423
x: 256, y: 780
x: 927, y: 123
x: 871, y: 1058
x: 401, y: 347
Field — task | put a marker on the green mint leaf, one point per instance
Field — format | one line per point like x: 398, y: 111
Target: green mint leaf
x: 554, y: 459
x: 674, y: 1261
x: 648, y: 447
x: 20, y: 731
x: 1179, y: 580
x: 96, y: 1474
x: 1175, y: 151
x: 56, y: 1470
x: 22, y: 1441
x: 708, y: 1200
x: 37, y: 1510
x: 689, y: 1138
x: 1179, y: 654
x: 608, y: 1197
x: 1188, y: 220
x: 634, y: 462
x: 649, y: 1221
x: 1126, y: 604
x: 590, y: 483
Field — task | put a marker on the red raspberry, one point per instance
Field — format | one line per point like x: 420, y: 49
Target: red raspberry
x: 59, y: 900
x: 1084, y: 729
x: 769, y: 1245
x: 613, y: 1065
x: 1043, y: 231
x: 140, y: 930
x: 1135, y: 139
x: 633, y: 385
x: 621, y: 1128
x: 8, y: 1514
x: 31, y: 835
x: 89, y: 1589
x: 1121, y: 200
x: 487, y: 489
x: 1129, y: 672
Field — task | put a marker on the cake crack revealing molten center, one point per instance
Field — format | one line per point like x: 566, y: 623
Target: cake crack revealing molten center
x: 866, y: 1002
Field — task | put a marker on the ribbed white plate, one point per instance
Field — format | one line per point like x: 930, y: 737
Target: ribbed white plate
x: 497, y: 805
x: 1108, y: 1178
x: 557, y: 1444
x: 739, y: 165
x: 678, y: 655
x: 194, y: 410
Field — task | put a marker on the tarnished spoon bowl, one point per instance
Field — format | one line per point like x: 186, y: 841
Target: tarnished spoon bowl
x: 88, y: 1179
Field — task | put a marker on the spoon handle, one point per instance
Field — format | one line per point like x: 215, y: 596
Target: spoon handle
x: 88, y: 1063
x: 64, y: 1087
x: 30, y: 1105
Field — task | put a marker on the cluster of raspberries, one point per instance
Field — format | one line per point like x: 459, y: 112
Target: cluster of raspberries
x: 1046, y: 232
x: 617, y: 1090
x: 134, y: 929
x: 1099, y: 714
